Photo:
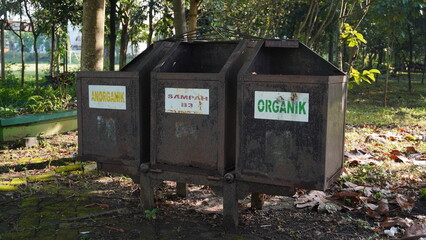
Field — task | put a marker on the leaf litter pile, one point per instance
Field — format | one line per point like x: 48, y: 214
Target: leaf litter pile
x: 384, y: 178
x: 380, y: 194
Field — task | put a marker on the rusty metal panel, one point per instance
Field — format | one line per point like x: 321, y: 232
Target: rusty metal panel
x: 290, y: 118
x: 108, y: 117
x: 190, y: 108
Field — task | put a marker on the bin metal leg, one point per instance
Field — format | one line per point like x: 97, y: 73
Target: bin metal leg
x: 230, y: 207
x: 181, y: 189
x: 147, y: 192
x: 257, y: 200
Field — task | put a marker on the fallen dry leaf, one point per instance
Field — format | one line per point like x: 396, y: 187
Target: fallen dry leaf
x: 383, y: 207
x: 115, y: 229
x: 395, y: 152
x: 396, y: 221
x: 373, y: 214
x: 417, y: 230
x: 410, y: 150
x: 97, y: 204
x: 316, y: 198
x: 406, y: 203
x: 348, y: 196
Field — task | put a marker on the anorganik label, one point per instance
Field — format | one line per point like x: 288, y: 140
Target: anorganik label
x: 107, y: 97
x: 187, y: 100
x: 286, y: 106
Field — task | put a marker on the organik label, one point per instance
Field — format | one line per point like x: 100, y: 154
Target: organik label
x: 286, y: 106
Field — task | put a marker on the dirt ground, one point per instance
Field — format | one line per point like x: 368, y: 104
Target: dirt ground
x: 46, y: 194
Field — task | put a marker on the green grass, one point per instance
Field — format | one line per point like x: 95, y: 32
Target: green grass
x: 43, y: 70
x: 366, y: 104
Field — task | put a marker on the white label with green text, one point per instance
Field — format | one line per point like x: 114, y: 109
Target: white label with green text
x: 286, y: 106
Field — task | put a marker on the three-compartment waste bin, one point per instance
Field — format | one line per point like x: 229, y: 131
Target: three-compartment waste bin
x: 259, y: 116
x: 113, y: 113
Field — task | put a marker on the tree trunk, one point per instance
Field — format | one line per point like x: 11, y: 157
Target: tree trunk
x: 380, y: 59
x: 52, y: 52
x: 193, y: 14
x: 179, y: 16
x: 36, y: 60
x: 424, y: 69
x: 339, y: 36
x: 92, y: 49
x: 388, y: 57
x: 124, y: 41
x: 150, y: 22
x: 410, y: 60
x: 3, y: 66
x: 330, y: 48
x: 2, y: 58
x: 35, y: 36
x: 21, y: 38
x: 58, y: 54
x: 112, y: 35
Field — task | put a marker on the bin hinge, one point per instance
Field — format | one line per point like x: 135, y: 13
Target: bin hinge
x: 156, y: 170
x: 144, y: 167
x: 214, y: 178
x: 282, y: 43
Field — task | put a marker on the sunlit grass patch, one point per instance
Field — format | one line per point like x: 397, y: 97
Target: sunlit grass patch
x: 366, y: 104
x: 376, y: 115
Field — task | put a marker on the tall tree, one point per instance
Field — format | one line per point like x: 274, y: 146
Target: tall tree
x: 112, y: 33
x: 53, y: 17
x: 36, y: 33
x: 160, y: 19
x: 193, y: 14
x: 3, y: 12
x: 125, y: 8
x: 132, y: 15
x: 92, y: 48
x: 354, y: 10
x: 179, y: 16
x: 17, y: 8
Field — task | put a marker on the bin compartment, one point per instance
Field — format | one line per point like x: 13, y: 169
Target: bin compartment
x: 108, y: 118
x: 291, y: 113
x: 192, y: 106
x: 114, y: 113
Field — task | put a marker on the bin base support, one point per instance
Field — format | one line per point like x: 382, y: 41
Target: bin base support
x: 257, y: 200
x: 147, y: 192
x: 181, y: 189
x: 230, y: 207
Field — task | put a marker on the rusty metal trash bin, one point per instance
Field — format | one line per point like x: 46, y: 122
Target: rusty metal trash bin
x: 114, y: 112
x: 291, y: 117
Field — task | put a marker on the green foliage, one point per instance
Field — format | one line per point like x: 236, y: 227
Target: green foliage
x: 16, y: 100
x: 423, y: 193
x: 151, y: 214
x: 352, y: 37
x: 366, y: 173
x: 47, y: 102
x: 366, y: 76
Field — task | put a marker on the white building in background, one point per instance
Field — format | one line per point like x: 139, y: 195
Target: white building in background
x: 74, y: 36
